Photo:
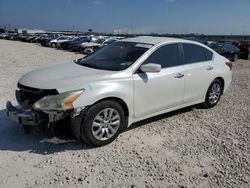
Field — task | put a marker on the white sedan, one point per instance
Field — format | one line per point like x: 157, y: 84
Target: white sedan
x: 122, y: 83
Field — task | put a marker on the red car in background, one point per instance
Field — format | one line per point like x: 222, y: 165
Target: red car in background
x: 244, y: 47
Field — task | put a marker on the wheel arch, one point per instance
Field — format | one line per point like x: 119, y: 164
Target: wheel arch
x: 118, y: 100
x: 77, y: 122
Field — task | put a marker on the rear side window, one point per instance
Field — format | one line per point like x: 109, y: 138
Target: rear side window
x: 195, y: 54
x: 166, y: 56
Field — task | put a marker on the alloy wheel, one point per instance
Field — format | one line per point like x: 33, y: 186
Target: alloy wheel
x: 214, y: 93
x: 106, y: 124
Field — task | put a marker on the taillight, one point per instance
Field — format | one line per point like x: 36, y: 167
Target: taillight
x: 230, y: 65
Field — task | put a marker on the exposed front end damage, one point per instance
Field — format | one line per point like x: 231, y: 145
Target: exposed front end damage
x: 26, y: 115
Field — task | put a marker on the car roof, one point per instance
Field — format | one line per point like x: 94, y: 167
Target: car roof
x: 155, y: 40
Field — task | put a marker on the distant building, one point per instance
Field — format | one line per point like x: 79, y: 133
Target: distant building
x: 29, y: 31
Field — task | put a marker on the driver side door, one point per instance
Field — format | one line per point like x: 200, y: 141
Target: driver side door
x: 156, y: 92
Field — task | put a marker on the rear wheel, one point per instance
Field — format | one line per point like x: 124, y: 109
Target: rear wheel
x: 213, y: 94
x: 102, y: 123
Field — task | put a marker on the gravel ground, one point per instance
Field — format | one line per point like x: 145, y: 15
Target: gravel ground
x: 192, y: 147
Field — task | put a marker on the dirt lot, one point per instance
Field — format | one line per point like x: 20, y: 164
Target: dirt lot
x: 191, y: 147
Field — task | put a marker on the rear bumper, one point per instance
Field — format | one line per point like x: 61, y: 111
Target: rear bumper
x: 24, y: 117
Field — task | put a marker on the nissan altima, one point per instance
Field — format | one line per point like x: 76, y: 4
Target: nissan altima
x: 122, y: 83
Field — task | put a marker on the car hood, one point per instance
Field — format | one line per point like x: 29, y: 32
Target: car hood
x: 64, y: 77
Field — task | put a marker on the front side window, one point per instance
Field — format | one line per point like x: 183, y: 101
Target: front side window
x: 115, y: 57
x: 166, y: 56
x: 194, y: 54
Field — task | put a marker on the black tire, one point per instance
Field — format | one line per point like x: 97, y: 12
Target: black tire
x: 53, y: 45
x: 27, y: 129
x: 91, y: 114
x: 209, y: 103
x: 89, y: 50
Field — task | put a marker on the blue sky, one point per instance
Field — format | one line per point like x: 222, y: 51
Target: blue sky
x: 146, y: 16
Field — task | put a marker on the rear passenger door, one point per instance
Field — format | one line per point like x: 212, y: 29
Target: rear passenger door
x: 199, y: 71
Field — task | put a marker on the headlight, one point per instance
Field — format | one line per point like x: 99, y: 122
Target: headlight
x: 62, y: 101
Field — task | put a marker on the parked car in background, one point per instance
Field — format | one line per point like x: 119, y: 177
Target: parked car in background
x: 45, y: 41
x: 94, y: 41
x: 94, y: 44
x: 244, y: 47
x: 127, y: 81
x: 56, y: 42
x: 76, y: 46
x: 228, y: 50
x: 64, y: 45
x: 91, y: 47
x: 22, y: 37
x: 11, y: 36
x: 30, y: 38
x: 36, y: 38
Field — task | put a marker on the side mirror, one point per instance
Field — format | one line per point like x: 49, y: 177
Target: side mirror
x: 151, y: 67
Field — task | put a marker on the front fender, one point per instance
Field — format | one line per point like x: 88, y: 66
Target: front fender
x: 94, y: 92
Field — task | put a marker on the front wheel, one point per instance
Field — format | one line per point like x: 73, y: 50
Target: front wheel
x: 102, y: 123
x: 213, y: 94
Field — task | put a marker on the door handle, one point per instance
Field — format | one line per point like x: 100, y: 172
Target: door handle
x: 210, y: 68
x: 179, y: 75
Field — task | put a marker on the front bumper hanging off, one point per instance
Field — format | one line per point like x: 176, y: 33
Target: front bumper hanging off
x: 33, y: 118
x: 23, y: 116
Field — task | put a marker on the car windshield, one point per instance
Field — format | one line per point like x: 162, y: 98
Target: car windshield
x: 116, y: 56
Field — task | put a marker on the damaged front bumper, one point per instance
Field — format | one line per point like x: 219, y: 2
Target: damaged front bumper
x: 34, y: 118
x: 24, y: 116
x: 31, y: 117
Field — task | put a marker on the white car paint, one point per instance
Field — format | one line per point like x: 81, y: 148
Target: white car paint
x: 147, y: 96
